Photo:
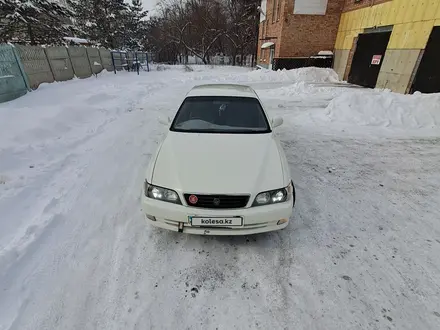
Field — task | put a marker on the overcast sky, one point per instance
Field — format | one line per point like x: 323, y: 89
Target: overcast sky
x: 149, y: 4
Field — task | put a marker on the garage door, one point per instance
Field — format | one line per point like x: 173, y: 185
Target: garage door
x: 427, y: 79
x: 368, y: 58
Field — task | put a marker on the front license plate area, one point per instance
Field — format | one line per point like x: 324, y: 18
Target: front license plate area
x: 216, y: 221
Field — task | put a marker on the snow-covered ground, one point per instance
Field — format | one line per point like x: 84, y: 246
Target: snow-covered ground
x: 362, y: 251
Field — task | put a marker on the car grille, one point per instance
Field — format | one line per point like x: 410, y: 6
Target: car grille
x: 218, y: 201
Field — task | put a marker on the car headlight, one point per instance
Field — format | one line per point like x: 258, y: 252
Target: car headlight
x: 273, y: 196
x: 162, y: 194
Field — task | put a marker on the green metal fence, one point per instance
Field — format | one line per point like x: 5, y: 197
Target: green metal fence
x: 13, y: 83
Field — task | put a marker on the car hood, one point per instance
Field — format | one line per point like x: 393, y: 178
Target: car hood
x: 218, y: 163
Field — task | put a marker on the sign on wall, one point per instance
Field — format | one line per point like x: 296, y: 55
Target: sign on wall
x: 263, y: 10
x: 376, y: 59
x: 310, y: 7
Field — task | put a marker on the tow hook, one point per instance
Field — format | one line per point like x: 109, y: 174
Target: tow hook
x: 180, y: 227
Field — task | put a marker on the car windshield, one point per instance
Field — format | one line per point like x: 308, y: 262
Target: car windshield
x: 220, y: 114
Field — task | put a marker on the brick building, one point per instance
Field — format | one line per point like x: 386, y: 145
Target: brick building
x: 392, y: 44
x: 297, y: 28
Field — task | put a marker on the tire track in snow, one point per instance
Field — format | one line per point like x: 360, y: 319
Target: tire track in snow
x: 55, y: 171
x: 24, y: 252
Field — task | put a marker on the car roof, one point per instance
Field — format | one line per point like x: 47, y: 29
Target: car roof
x: 222, y: 90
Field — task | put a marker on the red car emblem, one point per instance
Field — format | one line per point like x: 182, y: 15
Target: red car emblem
x: 193, y: 199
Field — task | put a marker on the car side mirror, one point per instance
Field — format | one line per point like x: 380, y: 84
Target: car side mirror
x: 277, y: 121
x: 165, y: 122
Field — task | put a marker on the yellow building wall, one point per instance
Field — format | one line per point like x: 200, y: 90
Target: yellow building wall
x: 413, y: 21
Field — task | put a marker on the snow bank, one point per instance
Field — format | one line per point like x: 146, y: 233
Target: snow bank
x: 386, y: 109
x: 317, y: 75
x: 306, y: 75
x: 303, y: 90
x: 163, y: 67
x: 355, y: 111
x: 76, y: 40
x: 311, y: 75
x: 181, y: 67
x: 248, y: 76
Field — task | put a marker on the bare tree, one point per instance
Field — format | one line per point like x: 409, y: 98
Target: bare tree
x: 201, y: 27
x: 242, y: 23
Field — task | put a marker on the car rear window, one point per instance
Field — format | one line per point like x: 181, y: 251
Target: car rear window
x: 220, y: 114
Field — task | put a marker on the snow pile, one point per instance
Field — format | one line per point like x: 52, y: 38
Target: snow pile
x: 325, y: 53
x: 76, y: 40
x: 263, y: 75
x: 163, y: 67
x: 182, y: 68
x: 311, y: 75
x: 245, y: 75
x: 386, y: 109
x: 304, y: 89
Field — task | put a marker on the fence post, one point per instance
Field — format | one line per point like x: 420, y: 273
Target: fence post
x: 20, y: 66
x: 126, y: 62
x: 90, y: 64
x: 70, y: 60
x: 50, y: 65
x: 148, y: 67
x: 100, y: 58
x: 113, y: 61
x: 137, y: 63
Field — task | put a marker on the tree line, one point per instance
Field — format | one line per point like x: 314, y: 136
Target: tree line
x: 178, y: 28
x: 108, y: 23
x: 203, y: 28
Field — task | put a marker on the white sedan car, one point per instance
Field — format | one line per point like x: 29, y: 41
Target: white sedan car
x: 220, y: 169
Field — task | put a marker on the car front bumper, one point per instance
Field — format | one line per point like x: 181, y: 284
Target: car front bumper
x: 255, y: 219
